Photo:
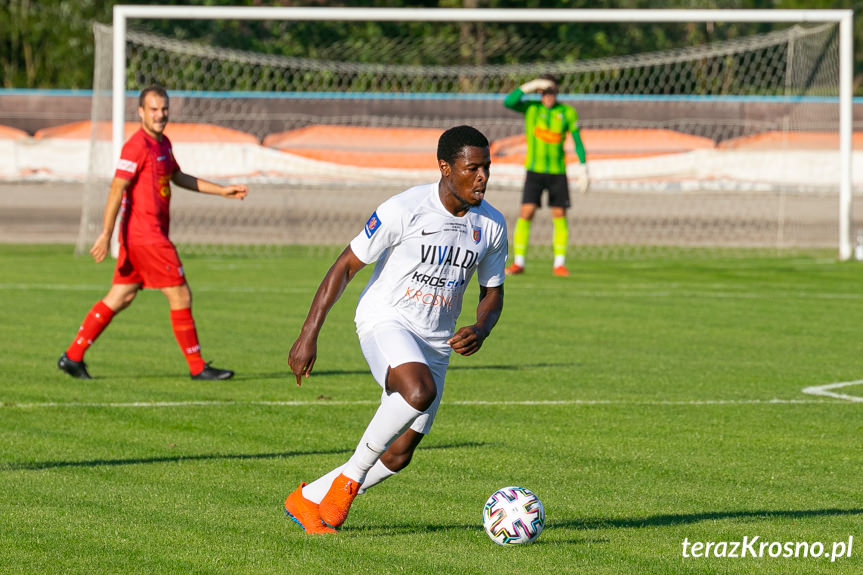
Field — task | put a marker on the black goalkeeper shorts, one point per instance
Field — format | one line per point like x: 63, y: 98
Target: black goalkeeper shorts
x: 536, y: 183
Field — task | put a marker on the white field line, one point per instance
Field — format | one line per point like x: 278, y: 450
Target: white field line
x: 824, y: 390
x: 586, y: 402
x: 624, y: 290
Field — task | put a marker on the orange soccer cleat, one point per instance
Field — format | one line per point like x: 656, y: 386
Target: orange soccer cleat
x: 514, y: 270
x: 305, y: 513
x: 337, y: 502
x: 560, y: 271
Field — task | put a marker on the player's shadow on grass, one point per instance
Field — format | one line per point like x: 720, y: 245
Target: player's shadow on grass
x: 41, y: 465
x: 671, y: 519
x: 288, y: 376
x: 404, y: 529
x: 592, y: 524
x: 498, y: 367
x: 515, y: 367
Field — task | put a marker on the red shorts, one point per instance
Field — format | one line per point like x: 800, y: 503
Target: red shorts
x: 153, y: 266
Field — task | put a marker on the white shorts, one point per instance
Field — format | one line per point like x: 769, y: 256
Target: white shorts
x: 390, y: 345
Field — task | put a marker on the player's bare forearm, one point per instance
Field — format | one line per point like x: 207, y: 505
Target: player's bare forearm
x: 102, y: 245
x: 333, y: 285
x: 233, y: 191
x: 489, y: 309
x: 304, y: 351
x: 112, y: 204
x: 469, y: 339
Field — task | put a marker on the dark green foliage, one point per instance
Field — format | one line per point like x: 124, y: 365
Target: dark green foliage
x: 49, y: 44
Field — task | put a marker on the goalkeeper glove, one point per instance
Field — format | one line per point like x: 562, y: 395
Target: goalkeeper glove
x: 537, y: 85
x: 582, y: 177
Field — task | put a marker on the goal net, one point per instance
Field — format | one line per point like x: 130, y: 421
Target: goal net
x: 732, y: 142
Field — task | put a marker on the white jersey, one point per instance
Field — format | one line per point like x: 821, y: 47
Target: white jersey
x: 425, y: 258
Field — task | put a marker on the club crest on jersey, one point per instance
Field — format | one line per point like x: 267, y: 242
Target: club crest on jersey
x: 372, y: 225
x: 477, y: 234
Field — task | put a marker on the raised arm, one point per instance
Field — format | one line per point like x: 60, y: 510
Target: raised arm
x: 184, y: 180
x: 513, y: 100
x: 305, y: 349
x: 467, y: 340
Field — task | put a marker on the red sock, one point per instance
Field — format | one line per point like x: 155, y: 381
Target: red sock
x: 95, y: 322
x: 187, y: 337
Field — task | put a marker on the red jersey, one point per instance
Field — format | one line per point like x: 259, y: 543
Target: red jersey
x: 145, y: 212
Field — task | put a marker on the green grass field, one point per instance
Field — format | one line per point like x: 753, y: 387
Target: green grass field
x: 648, y: 401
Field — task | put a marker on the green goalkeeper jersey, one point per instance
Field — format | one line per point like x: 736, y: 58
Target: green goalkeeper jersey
x: 546, y: 130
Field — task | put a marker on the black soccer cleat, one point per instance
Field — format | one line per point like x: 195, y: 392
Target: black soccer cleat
x: 74, y: 368
x: 212, y: 373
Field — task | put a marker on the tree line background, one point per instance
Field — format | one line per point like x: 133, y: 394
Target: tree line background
x: 48, y: 44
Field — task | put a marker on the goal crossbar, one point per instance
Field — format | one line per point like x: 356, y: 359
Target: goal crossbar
x: 844, y: 18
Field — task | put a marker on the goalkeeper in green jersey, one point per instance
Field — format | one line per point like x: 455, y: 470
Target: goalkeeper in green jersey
x: 546, y: 123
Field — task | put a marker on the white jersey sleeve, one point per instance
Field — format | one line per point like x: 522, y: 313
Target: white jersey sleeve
x: 490, y: 271
x: 382, y: 230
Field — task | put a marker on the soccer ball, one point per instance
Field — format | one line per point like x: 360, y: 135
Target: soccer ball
x: 513, y: 515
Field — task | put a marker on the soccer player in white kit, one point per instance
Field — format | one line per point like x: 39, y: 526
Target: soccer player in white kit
x: 428, y: 242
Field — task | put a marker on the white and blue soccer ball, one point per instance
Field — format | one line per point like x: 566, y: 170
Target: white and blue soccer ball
x: 512, y: 516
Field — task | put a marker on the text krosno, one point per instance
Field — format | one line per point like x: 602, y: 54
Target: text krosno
x: 754, y: 547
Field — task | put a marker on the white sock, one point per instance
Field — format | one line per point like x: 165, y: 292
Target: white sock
x: 316, y: 490
x: 392, y: 419
x: 518, y: 260
x: 559, y: 261
x: 376, y: 474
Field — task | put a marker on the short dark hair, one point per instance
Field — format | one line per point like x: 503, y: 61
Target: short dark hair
x: 454, y: 140
x: 154, y: 89
x: 552, y: 78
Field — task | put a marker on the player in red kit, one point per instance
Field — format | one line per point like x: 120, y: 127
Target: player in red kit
x: 141, y: 193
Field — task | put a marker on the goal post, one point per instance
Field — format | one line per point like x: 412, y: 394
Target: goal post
x: 838, y: 101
